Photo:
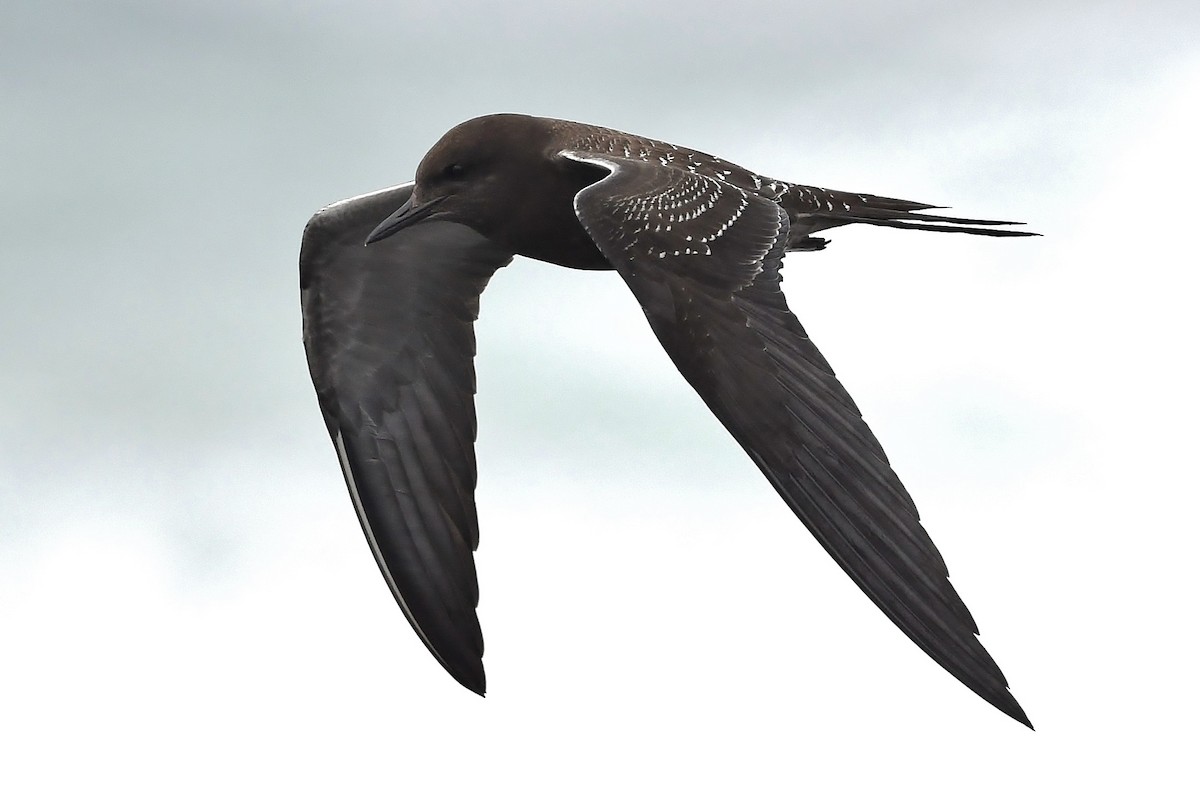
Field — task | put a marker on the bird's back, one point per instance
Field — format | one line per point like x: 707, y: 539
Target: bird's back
x: 809, y: 208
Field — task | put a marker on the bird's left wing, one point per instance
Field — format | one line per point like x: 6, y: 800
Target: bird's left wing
x: 388, y: 329
x: 702, y: 257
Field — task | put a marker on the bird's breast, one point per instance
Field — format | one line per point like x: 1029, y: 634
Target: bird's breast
x: 541, y: 223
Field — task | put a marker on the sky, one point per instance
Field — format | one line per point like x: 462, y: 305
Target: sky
x: 188, y: 611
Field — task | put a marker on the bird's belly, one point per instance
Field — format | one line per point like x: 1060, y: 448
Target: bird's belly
x: 579, y: 257
x: 562, y: 241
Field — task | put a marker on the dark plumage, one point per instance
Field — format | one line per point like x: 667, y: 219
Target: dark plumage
x: 699, y: 241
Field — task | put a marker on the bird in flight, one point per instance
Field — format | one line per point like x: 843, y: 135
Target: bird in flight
x: 390, y: 284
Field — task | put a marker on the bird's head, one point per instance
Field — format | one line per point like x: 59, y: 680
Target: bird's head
x: 468, y: 174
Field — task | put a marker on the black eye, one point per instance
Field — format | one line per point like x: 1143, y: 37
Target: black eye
x: 454, y: 171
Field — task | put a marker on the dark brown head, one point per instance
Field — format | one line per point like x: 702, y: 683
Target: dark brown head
x: 475, y: 174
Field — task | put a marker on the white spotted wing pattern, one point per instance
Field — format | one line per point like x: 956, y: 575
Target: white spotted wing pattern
x: 702, y: 227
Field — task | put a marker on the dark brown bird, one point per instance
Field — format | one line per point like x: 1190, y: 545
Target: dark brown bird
x: 388, y: 328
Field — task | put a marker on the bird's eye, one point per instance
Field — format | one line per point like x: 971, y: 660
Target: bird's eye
x: 454, y: 171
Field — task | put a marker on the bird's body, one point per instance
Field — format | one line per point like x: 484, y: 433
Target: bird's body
x: 700, y: 242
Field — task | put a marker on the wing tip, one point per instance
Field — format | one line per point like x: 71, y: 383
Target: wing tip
x: 1019, y: 715
x: 1005, y: 702
x: 474, y: 680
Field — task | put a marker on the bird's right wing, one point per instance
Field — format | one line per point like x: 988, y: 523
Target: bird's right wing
x: 389, y: 333
x: 703, y: 257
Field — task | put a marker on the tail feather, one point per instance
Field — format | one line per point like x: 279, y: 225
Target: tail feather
x: 813, y: 209
x: 881, y: 213
x: 927, y: 224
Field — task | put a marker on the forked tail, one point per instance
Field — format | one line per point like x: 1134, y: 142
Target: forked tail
x: 813, y: 209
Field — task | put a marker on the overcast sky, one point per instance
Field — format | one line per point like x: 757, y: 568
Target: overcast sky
x: 189, y: 615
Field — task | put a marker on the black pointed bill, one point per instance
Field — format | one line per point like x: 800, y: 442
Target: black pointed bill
x: 405, y: 215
